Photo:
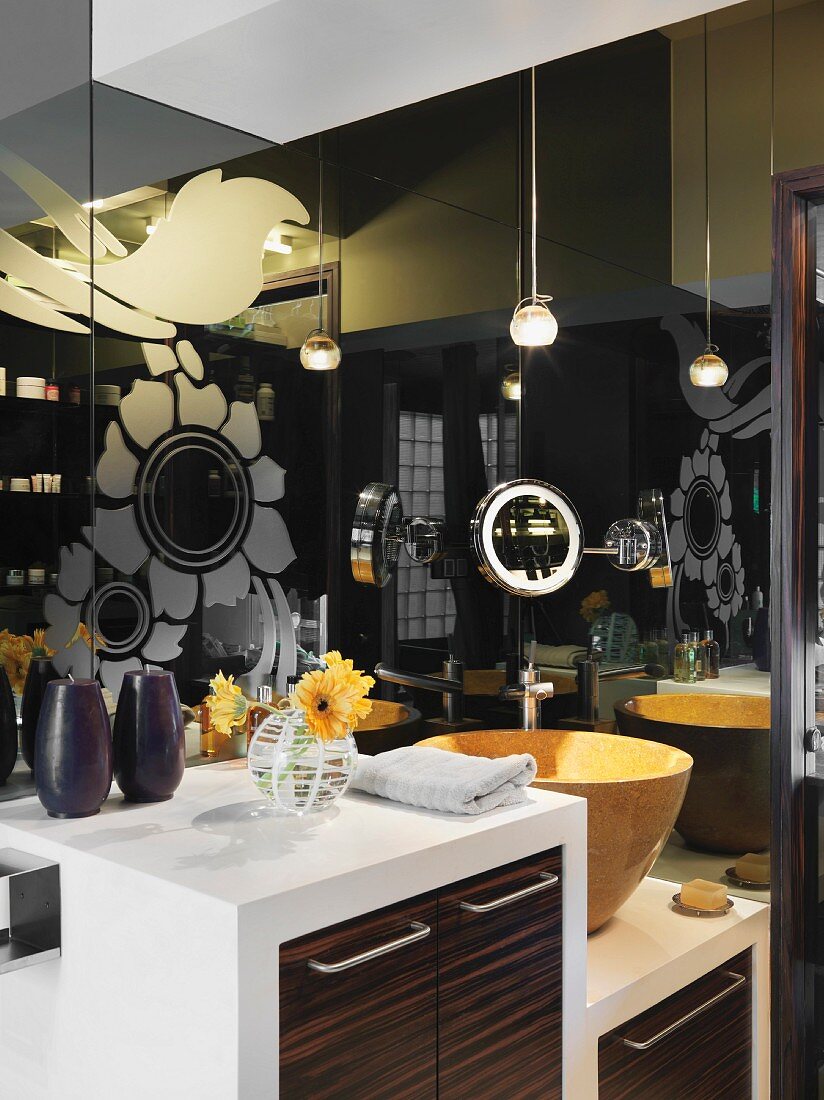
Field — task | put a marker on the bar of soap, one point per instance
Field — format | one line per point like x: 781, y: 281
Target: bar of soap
x: 754, y: 867
x: 701, y: 894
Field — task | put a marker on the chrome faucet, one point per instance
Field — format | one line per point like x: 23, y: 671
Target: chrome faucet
x: 530, y: 693
x: 450, y: 685
x: 590, y: 675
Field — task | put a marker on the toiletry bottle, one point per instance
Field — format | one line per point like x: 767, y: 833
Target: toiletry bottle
x: 712, y: 655
x: 265, y: 401
x: 664, y: 652
x: 757, y: 598
x: 684, y: 671
x: 257, y: 715
x: 700, y: 665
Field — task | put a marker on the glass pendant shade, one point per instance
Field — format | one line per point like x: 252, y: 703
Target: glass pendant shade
x: 511, y: 386
x: 319, y: 351
x: 533, y: 326
x: 709, y: 369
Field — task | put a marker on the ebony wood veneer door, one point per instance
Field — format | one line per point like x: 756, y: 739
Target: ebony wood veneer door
x: 499, y: 1028
x: 368, y: 1032
x: 709, y: 1058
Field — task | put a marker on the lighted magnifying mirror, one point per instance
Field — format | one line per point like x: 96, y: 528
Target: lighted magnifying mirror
x: 527, y: 538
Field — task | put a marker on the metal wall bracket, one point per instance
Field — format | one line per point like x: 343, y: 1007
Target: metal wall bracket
x: 33, y: 935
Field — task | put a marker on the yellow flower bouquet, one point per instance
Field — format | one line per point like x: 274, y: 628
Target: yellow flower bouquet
x: 303, y: 756
x: 594, y: 605
x: 17, y: 652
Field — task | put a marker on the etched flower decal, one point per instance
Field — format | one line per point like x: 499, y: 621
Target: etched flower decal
x: 164, y: 560
x: 702, y: 540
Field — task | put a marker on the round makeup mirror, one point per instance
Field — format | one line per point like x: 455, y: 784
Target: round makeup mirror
x: 377, y: 534
x: 527, y: 538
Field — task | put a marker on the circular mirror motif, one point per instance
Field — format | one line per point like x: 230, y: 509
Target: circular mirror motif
x: 194, y: 500
x: 122, y: 617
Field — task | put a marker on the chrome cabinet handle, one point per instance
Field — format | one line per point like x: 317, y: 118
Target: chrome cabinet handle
x: 737, y: 981
x: 546, y: 880
x: 419, y: 932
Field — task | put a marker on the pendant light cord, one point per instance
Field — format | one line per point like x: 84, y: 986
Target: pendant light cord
x: 772, y: 89
x: 707, y: 184
x: 534, y: 201
x: 320, y: 232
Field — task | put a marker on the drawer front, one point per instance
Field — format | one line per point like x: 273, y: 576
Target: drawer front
x: 697, y: 1044
x: 499, y: 1030
x: 368, y: 1030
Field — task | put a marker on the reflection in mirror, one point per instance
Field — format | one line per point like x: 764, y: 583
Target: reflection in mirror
x: 377, y: 535
x: 527, y: 538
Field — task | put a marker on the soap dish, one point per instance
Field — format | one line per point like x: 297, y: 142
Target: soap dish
x: 692, y: 911
x: 745, y: 882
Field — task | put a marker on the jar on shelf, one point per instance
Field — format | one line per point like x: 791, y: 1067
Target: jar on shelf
x: 265, y: 402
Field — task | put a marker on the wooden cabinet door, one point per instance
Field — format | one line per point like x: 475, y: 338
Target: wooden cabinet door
x: 367, y: 1029
x: 696, y: 1044
x: 499, y: 968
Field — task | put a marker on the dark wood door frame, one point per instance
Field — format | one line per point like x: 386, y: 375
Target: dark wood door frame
x: 792, y: 623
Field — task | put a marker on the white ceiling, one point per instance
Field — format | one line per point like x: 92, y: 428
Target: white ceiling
x: 282, y: 69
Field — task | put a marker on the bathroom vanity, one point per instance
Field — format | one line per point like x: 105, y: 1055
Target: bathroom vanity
x: 374, y: 950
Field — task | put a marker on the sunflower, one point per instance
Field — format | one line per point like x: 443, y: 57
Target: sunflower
x: 39, y: 647
x: 355, y: 684
x: 594, y: 604
x: 228, y: 704
x: 327, y: 699
x: 15, y: 656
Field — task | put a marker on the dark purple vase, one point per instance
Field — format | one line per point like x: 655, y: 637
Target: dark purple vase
x: 73, y: 749
x: 8, y: 728
x: 41, y: 672
x: 149, y: 739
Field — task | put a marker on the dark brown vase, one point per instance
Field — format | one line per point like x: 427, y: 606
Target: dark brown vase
x: 73, y: 749
x: 149, y: 739
x: 8, y: 728
x: 41, y: 672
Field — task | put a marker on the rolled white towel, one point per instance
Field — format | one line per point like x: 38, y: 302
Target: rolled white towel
x: 448, y: 781
x: 559, y: 656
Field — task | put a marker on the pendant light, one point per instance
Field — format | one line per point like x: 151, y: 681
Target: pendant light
x: 532, y: 325
x: 709, y: 369
x: 511, y: 385
x: 319, y: 351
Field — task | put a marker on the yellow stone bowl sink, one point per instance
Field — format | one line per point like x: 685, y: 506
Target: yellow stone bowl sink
x: 727, y: 808
x: 634, y: 790
x: 388, y: 726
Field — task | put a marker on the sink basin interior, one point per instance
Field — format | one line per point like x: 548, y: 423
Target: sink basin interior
x: 572, y: 756
x: 710, y: 710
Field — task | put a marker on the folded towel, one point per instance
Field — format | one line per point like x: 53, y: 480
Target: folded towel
x: 559, y: 656
x: 447, y: 781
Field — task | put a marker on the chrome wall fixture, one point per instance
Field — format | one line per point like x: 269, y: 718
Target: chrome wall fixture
x: 526, y: 537
x: 380, y: 529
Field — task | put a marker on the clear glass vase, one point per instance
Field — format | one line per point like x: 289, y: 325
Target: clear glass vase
x: 297, y: 771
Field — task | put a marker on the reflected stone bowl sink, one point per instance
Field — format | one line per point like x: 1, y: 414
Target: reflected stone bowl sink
x: 388, y: 726
x: 634, y: 790
x: 727, y: 808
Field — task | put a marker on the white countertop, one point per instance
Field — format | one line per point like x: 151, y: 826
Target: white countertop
x: 173, y: 913
x: 194, y: 895
x: 736, y: 680
x: 647, y: 952
x: 218, y: 837
x: 678, y: 863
